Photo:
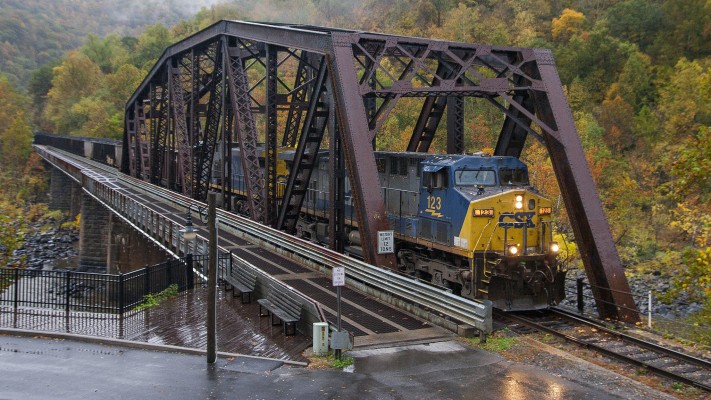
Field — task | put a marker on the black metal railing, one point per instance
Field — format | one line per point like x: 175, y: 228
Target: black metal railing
x: 96, y: 292
x: 93, y: 303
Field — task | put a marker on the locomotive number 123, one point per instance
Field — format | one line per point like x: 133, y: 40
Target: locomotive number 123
x: 434, y: 202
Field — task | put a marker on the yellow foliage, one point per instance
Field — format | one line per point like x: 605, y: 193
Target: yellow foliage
x: 569, y: 23
x: 568, y: 249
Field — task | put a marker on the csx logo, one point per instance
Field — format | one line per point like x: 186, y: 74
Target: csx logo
x: 517, y: 220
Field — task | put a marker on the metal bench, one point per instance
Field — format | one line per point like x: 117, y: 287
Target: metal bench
x: 245, y: 280
x: 278, y: 304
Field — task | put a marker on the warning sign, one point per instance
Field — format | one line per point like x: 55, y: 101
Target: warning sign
x: 386, y: 242
x: 339, y: 276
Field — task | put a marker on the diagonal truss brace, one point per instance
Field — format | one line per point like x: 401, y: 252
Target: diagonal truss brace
x: 177, y: 102
x: 306, y: 155
x: 246, y: 133
x: 211, y: 132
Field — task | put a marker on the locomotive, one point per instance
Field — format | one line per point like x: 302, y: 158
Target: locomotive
x: 469, y: 223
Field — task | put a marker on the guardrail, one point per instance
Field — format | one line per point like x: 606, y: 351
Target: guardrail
x: 475, y: 313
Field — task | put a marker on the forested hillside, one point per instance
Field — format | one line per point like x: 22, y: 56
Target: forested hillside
x: 34, y: 33
x: 637, y: 74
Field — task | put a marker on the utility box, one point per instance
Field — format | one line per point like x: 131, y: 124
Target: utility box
x: 320, y: 338
x: 341, y: 340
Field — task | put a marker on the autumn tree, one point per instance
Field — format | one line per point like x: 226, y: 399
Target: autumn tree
x: 75, y: 78
x: 570, y: 23
x: 685, y: 96
x: 15, y: 147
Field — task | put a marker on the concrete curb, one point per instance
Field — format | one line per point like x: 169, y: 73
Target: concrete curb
x: 134, y: 345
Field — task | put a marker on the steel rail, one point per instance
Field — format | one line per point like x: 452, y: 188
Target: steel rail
x: 622, y: 357
x: 475, y: 313
x: 639, y: 342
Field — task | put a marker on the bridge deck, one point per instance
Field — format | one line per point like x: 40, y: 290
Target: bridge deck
x: 372, y: 321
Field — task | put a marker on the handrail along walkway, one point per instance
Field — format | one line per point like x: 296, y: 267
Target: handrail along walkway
x: 358, y: 273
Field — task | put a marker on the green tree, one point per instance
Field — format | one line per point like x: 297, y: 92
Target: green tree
x: 151, y: 44
x: 692, y: 166
x: 684, y: 98
x: 119, y: 86
x: 12, y: 228
x: 636, y: 21
x: 109, y: 53
x: 39, y: 85
x: 686, y: 31
x: 635, y: 84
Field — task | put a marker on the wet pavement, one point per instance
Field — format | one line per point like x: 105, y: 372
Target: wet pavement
x: 41, y: 368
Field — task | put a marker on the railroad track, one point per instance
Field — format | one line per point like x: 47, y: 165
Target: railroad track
x: 591, y: 334
x: 387, y: 284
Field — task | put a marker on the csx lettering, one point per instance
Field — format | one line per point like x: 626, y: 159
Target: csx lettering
x: 517, y: 220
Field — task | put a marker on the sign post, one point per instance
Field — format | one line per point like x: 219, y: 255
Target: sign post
x: 339, y: 280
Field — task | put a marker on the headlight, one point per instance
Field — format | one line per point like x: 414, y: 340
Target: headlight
x: 513, y: 250
x: 518, y: 205
x: 554, y: 247
x: 519, y: 198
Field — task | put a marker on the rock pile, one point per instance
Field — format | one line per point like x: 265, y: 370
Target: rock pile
x: 640, y: 285
x: 56, y: 248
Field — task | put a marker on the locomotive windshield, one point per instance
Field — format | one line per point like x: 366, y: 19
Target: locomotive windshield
x: 468, y: 177
x: 513, y: 177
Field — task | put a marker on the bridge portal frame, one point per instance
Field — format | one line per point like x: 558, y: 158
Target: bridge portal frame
x: 366, y: 75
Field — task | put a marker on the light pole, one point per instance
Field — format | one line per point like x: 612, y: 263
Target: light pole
x: 211, y: 280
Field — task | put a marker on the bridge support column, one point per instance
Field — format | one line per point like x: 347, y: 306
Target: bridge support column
x: 93, y: 235
x: 129, y: 250
x: 64, y: 193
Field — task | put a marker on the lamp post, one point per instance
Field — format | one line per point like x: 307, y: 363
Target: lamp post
x: 212, y: 281
x: 189, y: 234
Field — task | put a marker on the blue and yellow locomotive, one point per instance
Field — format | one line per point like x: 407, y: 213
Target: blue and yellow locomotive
x: 470, y: 223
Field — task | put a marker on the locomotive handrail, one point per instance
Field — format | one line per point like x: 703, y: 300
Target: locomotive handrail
x: 475, y: 313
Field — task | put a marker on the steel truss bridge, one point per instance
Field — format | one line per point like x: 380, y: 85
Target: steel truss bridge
x: 260, y: 86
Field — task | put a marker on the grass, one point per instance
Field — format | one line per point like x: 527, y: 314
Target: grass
x: 152, y: 300
x: 330, y: 361
x: 497, y: 342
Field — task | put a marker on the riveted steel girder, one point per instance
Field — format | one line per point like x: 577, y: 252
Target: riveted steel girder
x: 594, y: 240
x: 246, y: 133
x: 357, y: 140
x: 177, y: 101
x: 213, y: 117
x: 130, y: 141
x: 368, y: 74
x: 159, y: 139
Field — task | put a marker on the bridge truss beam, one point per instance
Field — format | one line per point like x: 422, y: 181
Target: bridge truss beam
x: 255, y: 81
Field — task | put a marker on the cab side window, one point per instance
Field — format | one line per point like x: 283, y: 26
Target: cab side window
x: 435, y: 180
